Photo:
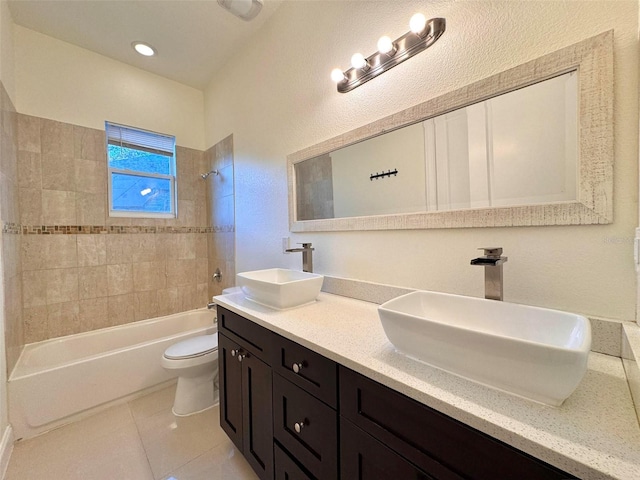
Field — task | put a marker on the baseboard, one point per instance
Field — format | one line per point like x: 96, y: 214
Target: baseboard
x: 6, y: 447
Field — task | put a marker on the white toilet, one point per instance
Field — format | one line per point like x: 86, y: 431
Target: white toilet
x: 195, y: 361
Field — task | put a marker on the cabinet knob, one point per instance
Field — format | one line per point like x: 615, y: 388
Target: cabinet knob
x: 298, y: 426
x: 242, y: 356
x: 234, y: 353
x: 296, y: 367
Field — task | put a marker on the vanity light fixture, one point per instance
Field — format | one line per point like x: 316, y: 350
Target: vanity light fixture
x: 144, y: 49
x: 359, y: 62
x: 417, y: 24
x: 423, y: 33
x: 386, y: 46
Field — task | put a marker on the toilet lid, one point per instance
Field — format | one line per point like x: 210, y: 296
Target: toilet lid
x: 193, y: 347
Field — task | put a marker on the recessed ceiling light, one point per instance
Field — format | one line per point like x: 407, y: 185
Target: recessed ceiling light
x: 144, y: 49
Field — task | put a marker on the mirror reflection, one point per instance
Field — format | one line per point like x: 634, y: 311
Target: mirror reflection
x: 519, y: 148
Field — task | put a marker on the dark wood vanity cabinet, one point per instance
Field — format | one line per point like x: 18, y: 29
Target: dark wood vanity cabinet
x: 308, y: 370
x: 436, y: 444
x: 246, y: 398
x: 305, y: 401
x: 297, y: 415
x: 363, y: 457
x: 305, y: 427
x: 286, y: 468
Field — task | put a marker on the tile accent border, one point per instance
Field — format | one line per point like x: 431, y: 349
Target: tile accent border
x: 11, y: 228
x: 17, y: 229
x: 606, y: 333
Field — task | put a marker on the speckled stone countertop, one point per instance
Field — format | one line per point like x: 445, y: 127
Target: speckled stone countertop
x: 593, y: 435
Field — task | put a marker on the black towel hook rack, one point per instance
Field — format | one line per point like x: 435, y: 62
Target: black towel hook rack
x: 383, y: 174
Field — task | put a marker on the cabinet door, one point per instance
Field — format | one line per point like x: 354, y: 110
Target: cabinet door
x: 257, y: 408
x: 365, y: 458
x: 230, y: 378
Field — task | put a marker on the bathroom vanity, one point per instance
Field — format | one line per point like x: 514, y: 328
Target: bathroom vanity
x: 318, y: 392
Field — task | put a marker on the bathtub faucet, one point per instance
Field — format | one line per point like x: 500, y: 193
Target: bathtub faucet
x: 211, y: 305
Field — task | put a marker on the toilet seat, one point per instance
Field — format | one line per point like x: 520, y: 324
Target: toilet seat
x: 192, y: 347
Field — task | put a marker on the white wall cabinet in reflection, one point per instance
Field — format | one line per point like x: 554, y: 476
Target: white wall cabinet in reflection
x: 520, y: 148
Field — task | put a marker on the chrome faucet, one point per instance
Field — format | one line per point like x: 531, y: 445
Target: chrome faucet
x: 492, y: 262
x: 307, y: 256
x: 211, y: 305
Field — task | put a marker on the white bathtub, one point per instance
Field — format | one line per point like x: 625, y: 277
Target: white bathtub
x: 57, y: 380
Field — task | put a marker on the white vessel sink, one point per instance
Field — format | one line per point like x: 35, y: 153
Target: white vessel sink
x: 280, y: 288
x: 536, y: 353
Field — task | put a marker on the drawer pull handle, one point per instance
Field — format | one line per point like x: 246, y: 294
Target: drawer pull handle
x: 298, y: 426
x: 296, y: 367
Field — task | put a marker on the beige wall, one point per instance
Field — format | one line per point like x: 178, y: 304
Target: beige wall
x: 220, y: 209
x: 64, y: 94
x: 6, y: 50
x: 274, y: 108
x: 59, y: 81
x: 11, y: 337
x: 83, y: 270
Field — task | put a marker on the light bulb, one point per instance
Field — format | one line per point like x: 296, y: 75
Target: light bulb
x: 417, y: 23
x: 358, y: 61
x: 143, y: 49
x: 385, y: 45
x: 337, y: 75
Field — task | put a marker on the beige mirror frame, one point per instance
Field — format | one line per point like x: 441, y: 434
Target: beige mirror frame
x: 592, y: 58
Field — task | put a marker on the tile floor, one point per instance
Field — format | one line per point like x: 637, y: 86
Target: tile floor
x: 140, y: 440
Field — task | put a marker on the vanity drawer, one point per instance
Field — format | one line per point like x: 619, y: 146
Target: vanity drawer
x: 365, y: 458
x: 286, y: 468
x: 246, y: 333
x: 312, y: 372
x: 306, y: 428
x: 430, y: 439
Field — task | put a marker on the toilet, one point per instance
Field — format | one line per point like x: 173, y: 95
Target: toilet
x: 195, y: 362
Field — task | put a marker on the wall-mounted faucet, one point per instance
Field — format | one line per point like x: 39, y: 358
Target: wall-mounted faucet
x: 307, y: 256
x: 492, y: 262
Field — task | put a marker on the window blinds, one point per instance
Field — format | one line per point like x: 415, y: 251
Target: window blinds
x: 140, y: 139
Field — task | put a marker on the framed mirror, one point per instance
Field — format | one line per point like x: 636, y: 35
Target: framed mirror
x: 529, y: 146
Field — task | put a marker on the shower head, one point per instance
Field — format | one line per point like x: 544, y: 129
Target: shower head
x: 205, y: 175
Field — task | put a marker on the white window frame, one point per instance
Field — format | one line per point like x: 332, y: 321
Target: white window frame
x: 171, y: 177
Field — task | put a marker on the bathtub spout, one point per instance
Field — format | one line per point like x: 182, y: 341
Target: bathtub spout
x: 211, y: 305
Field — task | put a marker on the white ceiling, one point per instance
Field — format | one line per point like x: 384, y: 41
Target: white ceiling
x: 193, y: 38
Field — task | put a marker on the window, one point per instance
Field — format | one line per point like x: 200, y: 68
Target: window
x: 142, y: 173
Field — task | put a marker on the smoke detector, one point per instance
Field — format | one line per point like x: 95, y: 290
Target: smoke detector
x: 244, y: 9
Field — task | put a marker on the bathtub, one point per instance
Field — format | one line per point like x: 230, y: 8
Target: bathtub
x: 55, y: 381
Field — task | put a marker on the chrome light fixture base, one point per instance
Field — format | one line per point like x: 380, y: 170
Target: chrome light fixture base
x: 406, y: 47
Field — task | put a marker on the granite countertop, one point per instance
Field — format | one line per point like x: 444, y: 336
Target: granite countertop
x: 593, y: 435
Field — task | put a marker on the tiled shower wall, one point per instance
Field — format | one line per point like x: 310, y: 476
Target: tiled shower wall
x: 83, y: 270
x: 314, y: 184
x: 221, y: 210
x: 10, y: 236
